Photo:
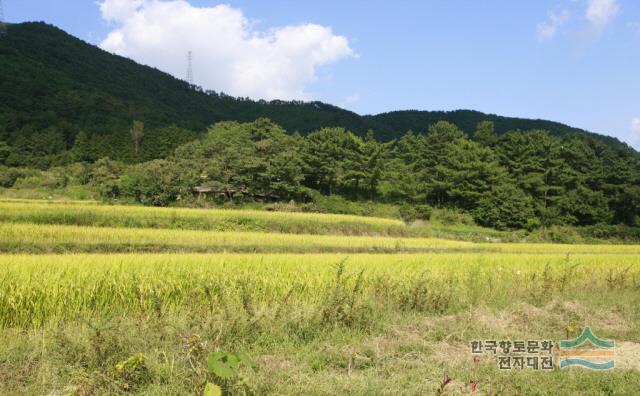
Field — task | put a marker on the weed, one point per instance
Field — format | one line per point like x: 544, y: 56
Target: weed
x: 619, y: 279
x: 225, y: 367
x: 131, y: 373
x: 343, y: 305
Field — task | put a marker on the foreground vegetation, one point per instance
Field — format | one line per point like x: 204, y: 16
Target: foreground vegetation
x: 313, y: 324
x: 315, y: 304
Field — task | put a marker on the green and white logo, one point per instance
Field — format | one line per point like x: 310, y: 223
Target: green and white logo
x: 588, y: 351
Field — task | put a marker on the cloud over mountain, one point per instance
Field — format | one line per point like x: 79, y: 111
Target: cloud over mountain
x: 230, y: 54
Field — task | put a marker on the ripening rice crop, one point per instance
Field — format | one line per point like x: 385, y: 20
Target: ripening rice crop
x: 61, y: 238
x: 83, y: 214
x: 39, y: 238
x: 312, y: 297
x: 35, y: 290
x: 38, y: 289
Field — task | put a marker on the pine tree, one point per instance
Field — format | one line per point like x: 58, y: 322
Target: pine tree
x: 82, y: 149
x: 434, y: 156
x: 485, y: 133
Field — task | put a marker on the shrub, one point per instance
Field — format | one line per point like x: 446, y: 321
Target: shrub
x: 557, y: 234
x: 283, y: 207
x: 339, y: 205
x: 42, y: 179
x: 532, y: 224
x: 504, y: 207
x: 158, y: 183
x: 330, y: 204
x: 451, y: 216
x: 104, y: 175
x: 611, y: 232
x: 411, y: 213
x: 78, y: 173
x: 8, y: 176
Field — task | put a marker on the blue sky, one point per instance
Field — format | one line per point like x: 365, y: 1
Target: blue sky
x: 573, y: 61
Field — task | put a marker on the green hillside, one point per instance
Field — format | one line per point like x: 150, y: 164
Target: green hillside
x: 387, y: 124
x: 54, y: 85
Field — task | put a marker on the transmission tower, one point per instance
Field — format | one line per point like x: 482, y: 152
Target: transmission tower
x: 189, y: 67
x: 1, y: 13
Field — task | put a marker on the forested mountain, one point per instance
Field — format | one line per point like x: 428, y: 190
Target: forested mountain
x: 54, y: 86
x: 135, y: 133
x: 388, y: 124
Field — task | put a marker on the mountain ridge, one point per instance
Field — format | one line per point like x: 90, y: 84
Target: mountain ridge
x: 57, y: 81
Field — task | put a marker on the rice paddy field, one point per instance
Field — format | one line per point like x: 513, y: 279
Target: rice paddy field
x: 98, y: 300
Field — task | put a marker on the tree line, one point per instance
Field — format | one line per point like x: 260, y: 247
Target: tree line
x: 521, y: 179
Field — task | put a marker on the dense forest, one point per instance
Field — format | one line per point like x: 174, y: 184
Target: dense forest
x: 516, y: 180
x: 56, y: 89
x: 69, y: 110
x: 512, y: 181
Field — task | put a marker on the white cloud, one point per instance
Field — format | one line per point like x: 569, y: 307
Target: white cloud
x: 548, y: 29
x: 634, y: 133
x: 118, y: 10
x: 352, y: 99
x: 229, y: 54
x: 601, y: 12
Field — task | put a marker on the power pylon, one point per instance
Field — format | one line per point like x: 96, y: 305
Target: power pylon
x: 1, y: 13
x: 190, y: 68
